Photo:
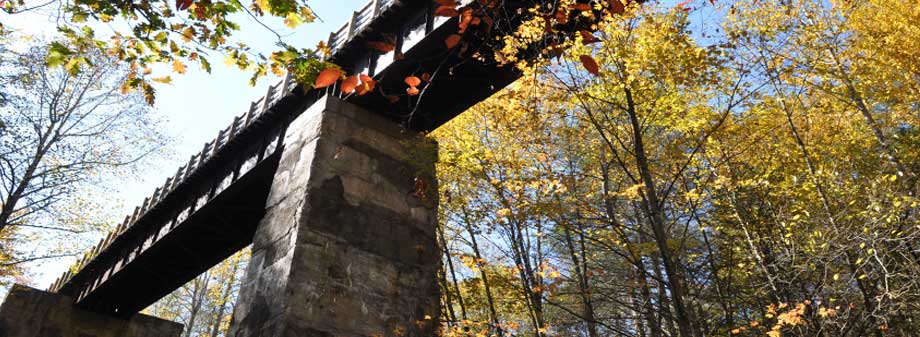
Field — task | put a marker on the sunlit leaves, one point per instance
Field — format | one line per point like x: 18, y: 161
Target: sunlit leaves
x: 327, y: 77
x: 57, y: 54
x: 367, y: 85
x: 178, y: 32
x: 164, y: 79
x: 413, y: 83
x: 178, y: 67
x: 349, y: 84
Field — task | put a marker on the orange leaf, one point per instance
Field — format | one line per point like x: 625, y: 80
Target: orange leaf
x: 183, y: 4
x: 327, y: 77
x: 465, y: 18
x: 349, y: 84
x: 590, y: 64
x: 412, y: 91
x: 367, y: 84
x: 446, y: 11
x: 383, y: 47
x: 413, y: 81
x: 452, y: 40
x: 450, y: 3
x: 685, y: 5
x: 583, y: 7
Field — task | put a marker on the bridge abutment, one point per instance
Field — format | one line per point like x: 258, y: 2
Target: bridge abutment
x: 28, y: 312
x: 347, y: 246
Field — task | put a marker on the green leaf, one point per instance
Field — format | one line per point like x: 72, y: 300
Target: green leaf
x: 57, y: 54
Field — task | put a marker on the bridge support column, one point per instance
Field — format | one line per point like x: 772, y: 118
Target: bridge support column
x: 28, y: 312
x: 347, y: 247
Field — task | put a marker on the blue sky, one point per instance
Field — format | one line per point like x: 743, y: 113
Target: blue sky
x: 197, y: 104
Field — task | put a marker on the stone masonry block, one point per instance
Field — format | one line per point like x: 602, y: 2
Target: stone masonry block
x: 347, y: 247
x: 28, y: 312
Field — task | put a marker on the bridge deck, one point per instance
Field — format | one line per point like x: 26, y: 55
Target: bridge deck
x: 209, y: 209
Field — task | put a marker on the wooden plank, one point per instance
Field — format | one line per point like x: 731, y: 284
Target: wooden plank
x: 350, y: 31
x: 145, y: 205
x: 267, y: 101
x: 135, y: 215
x: 188, y: 167
x: 285, y: 83
x: 252, y: 112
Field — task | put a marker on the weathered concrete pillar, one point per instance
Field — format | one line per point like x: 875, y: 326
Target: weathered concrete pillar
x: 28, y: 312
x: 347, y: 246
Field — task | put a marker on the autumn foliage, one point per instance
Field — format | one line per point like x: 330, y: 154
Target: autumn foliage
x: 744, y: 168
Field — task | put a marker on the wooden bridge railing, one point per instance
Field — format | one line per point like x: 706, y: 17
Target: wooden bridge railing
x: 209, y: 151
x: 359, y: 20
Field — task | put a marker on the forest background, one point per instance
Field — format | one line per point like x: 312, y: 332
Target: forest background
x: 687, y: 169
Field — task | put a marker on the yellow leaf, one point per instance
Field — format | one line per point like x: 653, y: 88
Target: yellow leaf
x: 178, y: 66
x: 164, y: 80
x: 293, y: 20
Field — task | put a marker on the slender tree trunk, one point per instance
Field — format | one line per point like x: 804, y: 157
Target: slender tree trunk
x: 198, y: 293
x: 14, y: 196
x: 584, y: 291
x: 652, y: 207
x: 487, y: 287
x: 225, y: 298
x: 453, y: 274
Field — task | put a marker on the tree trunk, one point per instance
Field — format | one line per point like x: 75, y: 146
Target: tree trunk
x: 652, y: 207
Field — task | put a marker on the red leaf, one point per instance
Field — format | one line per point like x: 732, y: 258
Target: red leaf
x: 200, y: 13
x: 587, y: 37
x: 452, y: 40
x: 383, y: 47
x: 426, y: 77
x: 590, y: 64
x: 349, y: 84
x: 450, y: 3
x: 393, y: 99
x: 582, y: 7
x: 617, y: 7
x: 327, y: 77
x: 446, y: 11
x: 412, y: 91
x: 183, y: 4
x: 562, y: 17
x: 685, y: 5
x: 413, y: 81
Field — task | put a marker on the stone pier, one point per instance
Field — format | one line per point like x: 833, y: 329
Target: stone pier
x: 347, y: 246
x: 28, y: 312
